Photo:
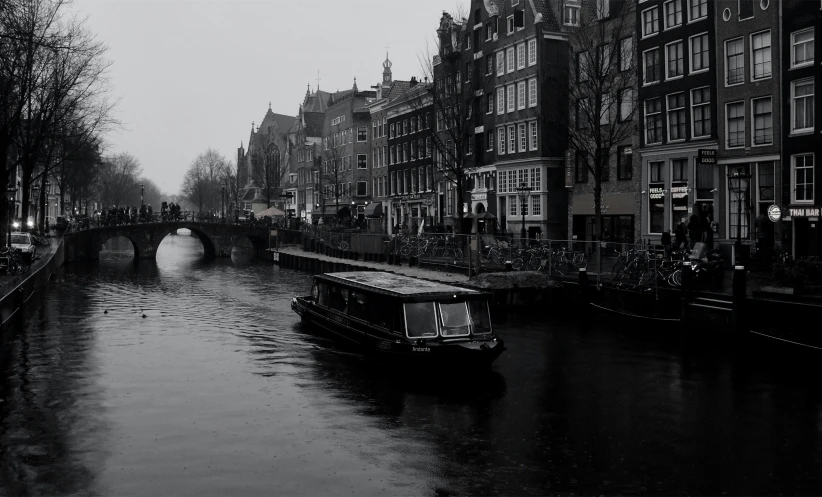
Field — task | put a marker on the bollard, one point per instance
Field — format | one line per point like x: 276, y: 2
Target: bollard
x: 740, y: 295
x: 583, y: 286
x: 686, y: 273
x: 509, y: 266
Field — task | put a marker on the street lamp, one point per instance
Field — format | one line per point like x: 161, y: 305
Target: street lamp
x: 12, y: 192
x: 45, y: 202
x: 738, y: 183
x: 142, y: 191
x: 523, y: 193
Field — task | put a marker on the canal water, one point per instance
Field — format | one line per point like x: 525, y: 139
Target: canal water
x: 192, y: 377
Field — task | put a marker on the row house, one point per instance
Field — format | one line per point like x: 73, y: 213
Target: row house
x: 677, y: 97
x: 800, y: 192
x: 308, y: 153
x: 746, y: 177
x: 515, y: 66
x: 344, y: 171
x: 411, y: 171
x: 614, y: 51
x: 379, y: 204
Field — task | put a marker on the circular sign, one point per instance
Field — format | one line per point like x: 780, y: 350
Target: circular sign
x: 427, y: 201
x: 774, y: 213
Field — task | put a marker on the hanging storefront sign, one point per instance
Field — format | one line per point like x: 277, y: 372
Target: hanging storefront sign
x: 569, y: 172
x: 774, y: 213
x: 805, y: 212
x: 479, y: 196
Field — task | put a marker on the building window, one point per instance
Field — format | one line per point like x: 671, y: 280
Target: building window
x: 523, y: 138
x: 500, y: 63
x: 651, y: 65
x: 533, y: 134
x: 571, y: 15
x: 700, y: 53
x: 650, y: 22
x: 673, y: 14
x: 746, y: 9
x: 674, y: 60
x: 536, y: 205
x: 679, y: 170
x: 521, y: 95
x: 802, y: 48
x: 362, y: 188
x: 521, y: 56
x: 582, y: 66
x: 626, y: 105
x: 510, y: 94
x: 489, y: 102
x: 501, y: 100
x: 765, y: 175
x: 501, y: 135
x: 803, y: 178
x: 761, y: 48
x: 701, y: 112
x: 626, y: 54
x: 653, y: 120
x: 490, y: 61
x: 625, y: 162
x: 735, y: 124
x: 762, y: 121
x: 532, y: 92
x: 509, y: 57
x: 802, y: 106
x: 581, y: 169
x: 582, y: 113
x: 698, y: 10
x: 532, y: 51
x: 676, y: 117
x: 392, y: 131
x: 510, y: 24
x: 739, y: 217
x: 490, y: 139
x: 735, y: 61
x: 512, y: 139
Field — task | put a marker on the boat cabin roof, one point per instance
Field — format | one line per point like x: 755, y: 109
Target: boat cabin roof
x: 396, y: 284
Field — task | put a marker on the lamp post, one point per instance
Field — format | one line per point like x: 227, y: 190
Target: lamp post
x: 142, y: 191
x: 738, y: 183
x: 45, y: 203
x: 523, y: 193
x: 12, y: 191
x: 222, y: 204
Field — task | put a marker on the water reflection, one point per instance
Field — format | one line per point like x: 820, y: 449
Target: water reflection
x: 220, y: 390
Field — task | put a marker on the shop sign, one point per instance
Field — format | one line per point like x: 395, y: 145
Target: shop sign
x: 774, y: 213
x: 707, y: 156
x: 656, y: 193
x: 428, y: 201
x: 569, y: 173
x: 679, y: 192
x: 479, y: 196
x: 805, y: 212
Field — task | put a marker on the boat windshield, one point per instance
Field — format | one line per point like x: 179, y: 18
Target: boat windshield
x: 454, y: 319
x: 421, y: 319
x: 480, y: 317
x: 20, y: 239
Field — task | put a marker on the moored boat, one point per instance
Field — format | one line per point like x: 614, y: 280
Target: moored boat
x: 403, y: 318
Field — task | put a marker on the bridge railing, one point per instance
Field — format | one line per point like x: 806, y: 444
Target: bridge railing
x: 90, y: 222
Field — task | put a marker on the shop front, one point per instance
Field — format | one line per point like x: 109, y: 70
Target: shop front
x: 618, y: 218
x: 413, y: 211
x: 805, y: 231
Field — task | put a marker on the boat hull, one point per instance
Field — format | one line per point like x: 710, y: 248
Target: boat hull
x: 464, y: 352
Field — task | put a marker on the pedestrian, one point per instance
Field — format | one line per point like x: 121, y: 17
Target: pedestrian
x: 694, y: 231
x: 681, y: 235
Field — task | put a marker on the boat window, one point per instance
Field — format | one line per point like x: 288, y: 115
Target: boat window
x: 358, y: 305
x: 454, y: 319
x: 338, y: 298
x: 480, y: 317
x: 322, y: 290
x: 380, y: 311
x: 421, y: 320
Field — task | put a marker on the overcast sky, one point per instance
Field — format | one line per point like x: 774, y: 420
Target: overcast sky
x: 193, y: 74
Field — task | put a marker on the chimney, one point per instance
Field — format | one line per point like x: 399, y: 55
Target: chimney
x: 413, y: 81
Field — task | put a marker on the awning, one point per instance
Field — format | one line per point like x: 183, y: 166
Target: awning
x: 271, y: 212
x: 374, y: 209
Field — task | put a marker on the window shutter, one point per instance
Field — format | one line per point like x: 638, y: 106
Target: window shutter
x: 519, y: 18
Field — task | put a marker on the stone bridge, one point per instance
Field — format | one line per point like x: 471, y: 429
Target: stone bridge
x: 217, y: 239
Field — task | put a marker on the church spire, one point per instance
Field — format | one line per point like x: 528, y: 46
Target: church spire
x: 386, y: 72
x: 355, y: 85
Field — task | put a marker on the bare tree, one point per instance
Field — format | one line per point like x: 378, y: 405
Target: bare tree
x: 203, y: 180
x: 333, y: 173
x: 602, y: 96
x: 455, y: 110
x: 118, y: 179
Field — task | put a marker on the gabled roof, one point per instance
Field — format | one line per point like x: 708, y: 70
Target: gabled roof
x: 283, y: 123
x: 548, y: 14
x: 397, y: 89
x: 317, y: 102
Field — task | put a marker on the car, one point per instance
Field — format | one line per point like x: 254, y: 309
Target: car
x: 23, y: 243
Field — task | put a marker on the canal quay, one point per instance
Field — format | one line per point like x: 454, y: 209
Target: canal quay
x: 192, y: 376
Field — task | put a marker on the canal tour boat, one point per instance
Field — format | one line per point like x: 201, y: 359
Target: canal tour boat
x: 403, y: 318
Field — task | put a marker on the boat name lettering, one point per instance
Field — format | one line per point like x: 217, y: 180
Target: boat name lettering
x: 340, y: 319
x: 421, y: 349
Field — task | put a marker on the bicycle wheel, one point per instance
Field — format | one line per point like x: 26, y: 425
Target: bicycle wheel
x: 517, y: 263
x: 495, y: 257
x: 405, y: 250
x: 344, y: 245
x: 675, y: 279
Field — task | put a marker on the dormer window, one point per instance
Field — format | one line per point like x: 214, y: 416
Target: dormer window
x: 570, y: 15
x: 510, y: 24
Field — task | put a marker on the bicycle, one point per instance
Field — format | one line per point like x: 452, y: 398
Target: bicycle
x: 11, y: 262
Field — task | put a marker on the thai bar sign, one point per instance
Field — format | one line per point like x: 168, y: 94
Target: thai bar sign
x: 805, y: 212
